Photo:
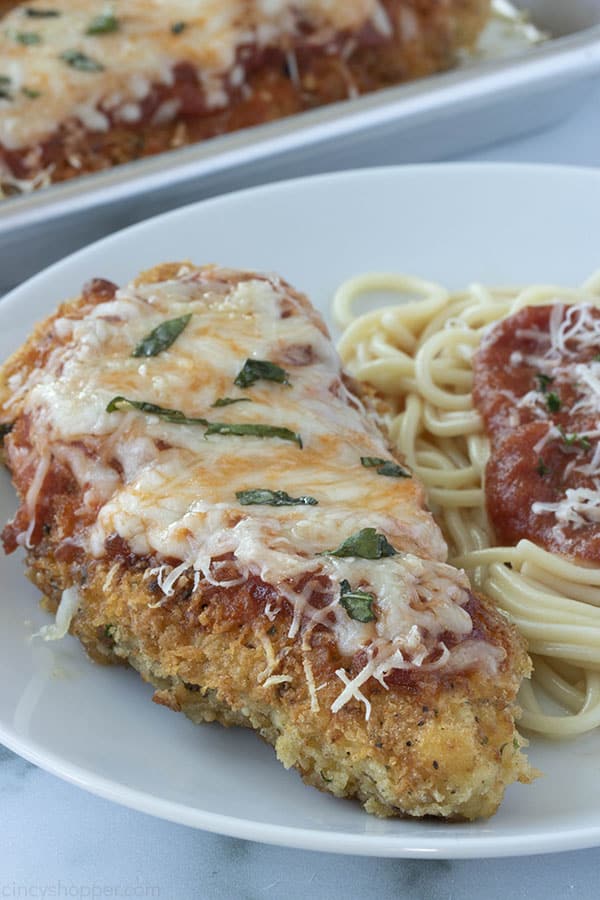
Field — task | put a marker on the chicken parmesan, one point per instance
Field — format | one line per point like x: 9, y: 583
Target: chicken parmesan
x: 205, y: 496
x: 84, y: 87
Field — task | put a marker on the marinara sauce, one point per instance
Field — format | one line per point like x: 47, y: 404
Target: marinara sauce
x: 537, y: 387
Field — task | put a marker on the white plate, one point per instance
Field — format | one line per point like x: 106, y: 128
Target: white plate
x: 96, y: 726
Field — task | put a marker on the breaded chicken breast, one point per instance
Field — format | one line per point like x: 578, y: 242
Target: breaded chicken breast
x: 205, y: 496
x: 84, y: 87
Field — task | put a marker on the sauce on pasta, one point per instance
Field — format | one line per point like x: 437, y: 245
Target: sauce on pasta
x: 537, y: 387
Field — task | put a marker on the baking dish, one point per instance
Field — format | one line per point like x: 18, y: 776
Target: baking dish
x: 425, y: 120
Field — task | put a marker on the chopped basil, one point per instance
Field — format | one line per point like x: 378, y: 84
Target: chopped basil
x: 29, y: 92
x: 384, y: 467
x: 264, y: 497
x: 553, y: 402
x: 78, y: 60
x: 227, y: 401
x: 105, y: 23
x: 260, y: 370
x: 252, y: 430
x: 366, y: 544
x: 34, y: 13
x: 596, y: 358
x: 176, y: 417
x: 178, y: 27
x: 28, y: 38
x: 358, y: 604
x: 543, y: 381
x: 5, y: 80
x: 169, y: 415
x: 570, y: 439
x: 4, y: 94
x: 542, y: 469
x: 161, y: 337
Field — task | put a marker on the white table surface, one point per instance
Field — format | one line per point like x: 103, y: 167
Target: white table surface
x: 57, y: 841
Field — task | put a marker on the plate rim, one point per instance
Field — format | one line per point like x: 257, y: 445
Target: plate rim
x: 457, y: 846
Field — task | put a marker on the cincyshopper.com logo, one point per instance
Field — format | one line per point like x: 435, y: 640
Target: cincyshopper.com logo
x: 92, y: 891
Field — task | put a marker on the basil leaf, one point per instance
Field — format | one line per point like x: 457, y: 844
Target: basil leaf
x: 29, y: 92
x: 5, y: 80
x: 28, y: 38
x: 543, y: 381
x: 4, y: 94
x: 358, y: 604
x: 169, y: 415
x: 260, y: 370
x: 384, y: 467
x: 178, y: 27
x: 227, y: 401
x: 105, y: 23
x: 263, y: 497
x: 553, y: 402
x: 366, y: 544
x: 34, y: 13
x: 80, y: 61
x: 246, y: 428
x: 161, y: 337
x: 542, y: 469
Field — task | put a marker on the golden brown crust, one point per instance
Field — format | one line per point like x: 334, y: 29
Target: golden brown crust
x: 444, y: 748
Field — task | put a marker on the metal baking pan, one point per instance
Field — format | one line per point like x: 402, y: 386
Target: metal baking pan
x: 430, y: 119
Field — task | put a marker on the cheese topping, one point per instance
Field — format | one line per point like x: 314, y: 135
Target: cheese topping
x: 168, y: 488
x: 92, y: 63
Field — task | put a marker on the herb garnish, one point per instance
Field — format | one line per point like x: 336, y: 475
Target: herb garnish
x: 34, y: 13
x: 260, y: 370
x: 176, y: 417
x: 358, y: 604
x: 105, y: 23
x: 4, y: 83
x: 29, y: 92
x: 28, y: 38
x: 596, y: 358
x: 384, y: 467
x: 570, y: 439
x: 263, y: 497
x: 542, y: 469
x: 161, y: 337
x: 366, y: 544
x: 543, y: 381
x: 178, y: 27
x: 227, y: 401
x: 553, y: 402
x: 169, y: 415
x: 6, y: 428
x: 253, y: 430
x: 78, y: 60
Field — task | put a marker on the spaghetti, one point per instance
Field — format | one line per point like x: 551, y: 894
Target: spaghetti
x: 418, y: 354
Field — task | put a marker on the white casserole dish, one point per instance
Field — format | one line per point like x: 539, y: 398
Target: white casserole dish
x: 430, y: 119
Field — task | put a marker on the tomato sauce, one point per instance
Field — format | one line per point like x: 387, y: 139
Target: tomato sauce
x: 537, y: 387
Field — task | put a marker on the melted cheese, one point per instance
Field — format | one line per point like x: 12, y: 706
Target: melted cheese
x: 169, y: 490
x: 143, y: 52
